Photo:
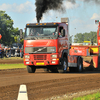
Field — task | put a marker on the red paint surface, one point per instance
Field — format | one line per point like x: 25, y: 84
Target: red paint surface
x: 79, y: 52
x: 95, y: 61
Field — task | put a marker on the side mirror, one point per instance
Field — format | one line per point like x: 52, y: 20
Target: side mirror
x: 63, y: 32
x: 21, y: 34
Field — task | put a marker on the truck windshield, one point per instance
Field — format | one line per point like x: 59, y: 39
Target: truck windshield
x: 41, y: 33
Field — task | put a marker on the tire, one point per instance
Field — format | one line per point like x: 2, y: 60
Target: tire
x: 63, y: 67
x: 31, y: 69
x: 80, y: 65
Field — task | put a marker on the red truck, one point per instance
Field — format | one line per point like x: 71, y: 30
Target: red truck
x: 46, y: 45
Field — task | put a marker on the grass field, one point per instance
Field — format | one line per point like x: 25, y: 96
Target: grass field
x: 11, y: 66
x: 95, y: 96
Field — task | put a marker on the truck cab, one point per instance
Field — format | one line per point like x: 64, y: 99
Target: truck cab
x: 46, y: 46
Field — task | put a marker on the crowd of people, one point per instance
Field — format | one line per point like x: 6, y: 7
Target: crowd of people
x: 7, y: 52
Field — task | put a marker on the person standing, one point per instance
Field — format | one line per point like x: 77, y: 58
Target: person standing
x: 10, y: 52
x: 7, y: 52
x: 2, y: 52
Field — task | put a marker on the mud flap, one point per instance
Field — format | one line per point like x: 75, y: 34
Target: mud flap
x: 96, y: 62
x: 99, y: 62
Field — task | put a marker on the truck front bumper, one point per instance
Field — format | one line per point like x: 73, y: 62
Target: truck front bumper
x: 41, y: 60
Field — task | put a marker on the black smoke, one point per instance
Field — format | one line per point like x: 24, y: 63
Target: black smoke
x: 42, y: 6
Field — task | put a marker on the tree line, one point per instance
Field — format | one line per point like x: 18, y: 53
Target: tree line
x: 81, y: 37
x: 9, y: 33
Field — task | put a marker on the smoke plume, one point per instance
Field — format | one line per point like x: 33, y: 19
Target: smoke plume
x: 42, y: 6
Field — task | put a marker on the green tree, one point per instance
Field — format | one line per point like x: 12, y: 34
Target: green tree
x: 7, y: 30
x: 6, y: 26
x: 79, y: 38
x: 91, y: 36
x: 16, y: 31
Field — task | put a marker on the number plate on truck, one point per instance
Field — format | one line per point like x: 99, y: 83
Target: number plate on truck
x: 42, y: 63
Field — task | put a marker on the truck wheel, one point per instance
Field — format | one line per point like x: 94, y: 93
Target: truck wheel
x: 31, y: 69
x: 63, y: 67
x: 79, y: 65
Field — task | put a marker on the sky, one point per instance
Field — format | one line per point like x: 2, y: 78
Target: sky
x: 82, y: 15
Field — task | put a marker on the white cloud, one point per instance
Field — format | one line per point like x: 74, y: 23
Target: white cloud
x: 78, y: 21
x: 70, y: 5
x: 95, y: 16
x: 34, y: 20
x: 22, y: 8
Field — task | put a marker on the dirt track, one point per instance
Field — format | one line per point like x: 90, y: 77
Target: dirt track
x: 42, y: 85
x: 11, y: 61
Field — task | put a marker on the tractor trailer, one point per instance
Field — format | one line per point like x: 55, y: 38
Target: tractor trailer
x: 46, y: 45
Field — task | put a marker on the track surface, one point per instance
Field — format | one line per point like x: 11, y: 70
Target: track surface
x: 11, y: 61
x: 42, y: 85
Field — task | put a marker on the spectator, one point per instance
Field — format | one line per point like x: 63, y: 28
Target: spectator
x: 9, y: 52
x: 21, y: 52
x: 3, y: 52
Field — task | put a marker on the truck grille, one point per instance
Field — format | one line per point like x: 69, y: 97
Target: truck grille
x: 40, y: 50
x: 40, y: 57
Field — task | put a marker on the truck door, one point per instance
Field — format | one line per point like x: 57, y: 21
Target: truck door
x: 61, y: 41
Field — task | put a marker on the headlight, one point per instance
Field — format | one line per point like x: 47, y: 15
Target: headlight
x: 51, y: 49
x: 54, y: 56
x: 27, y: 56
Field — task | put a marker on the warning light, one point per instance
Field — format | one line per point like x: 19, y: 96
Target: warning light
x: 96, y: 21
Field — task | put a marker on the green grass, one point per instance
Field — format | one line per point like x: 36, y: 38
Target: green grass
x: 95, y: 96
x: 11, y: 66
x: 12, y: 58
